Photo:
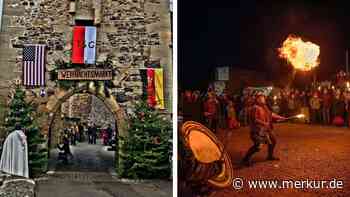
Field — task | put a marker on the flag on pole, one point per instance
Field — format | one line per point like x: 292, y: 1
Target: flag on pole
x: 34, y: 65
x: 84, y: 45
x: 158, y: 81
x: 153, y: 87
x: 151, y: 94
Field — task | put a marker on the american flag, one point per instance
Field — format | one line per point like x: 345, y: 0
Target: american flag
x: 34, y: 65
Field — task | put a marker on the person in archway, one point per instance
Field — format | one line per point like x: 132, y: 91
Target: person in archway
x: 94, y: 134
x: 109, y: 132
x: 89, y: 132
x: 76, y: 132
x: 261, y: 129
x: 113, y: 141
x: 73, y: 135
x: 66, y: 152
x: 104, y: 136
x: 81, y: 132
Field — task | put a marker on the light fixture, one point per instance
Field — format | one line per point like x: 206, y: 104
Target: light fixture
x: 42, y: 92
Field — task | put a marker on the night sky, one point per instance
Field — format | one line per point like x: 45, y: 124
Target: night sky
x: 246, y: 34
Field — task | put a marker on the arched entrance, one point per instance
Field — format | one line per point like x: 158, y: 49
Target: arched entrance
x: 55, y: 101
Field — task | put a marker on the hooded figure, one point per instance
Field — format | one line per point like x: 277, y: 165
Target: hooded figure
x: 14, y: 158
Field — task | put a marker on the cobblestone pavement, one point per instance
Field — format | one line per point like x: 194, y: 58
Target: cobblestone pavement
x: 306, y: 152
x: 98, y: 184
x: 89, y: 175
x: 87, y: 157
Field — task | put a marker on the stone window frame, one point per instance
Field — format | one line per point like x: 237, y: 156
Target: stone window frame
x: 83, y: 20
x: 1, y: 13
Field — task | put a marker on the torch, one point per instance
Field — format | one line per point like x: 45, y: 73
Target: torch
x: 299, y: 116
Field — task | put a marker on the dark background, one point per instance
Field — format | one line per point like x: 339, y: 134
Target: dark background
x: 246, y: 34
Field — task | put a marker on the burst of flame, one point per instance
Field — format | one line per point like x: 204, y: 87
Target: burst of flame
x: 302, y: 55
x: 300, y: 116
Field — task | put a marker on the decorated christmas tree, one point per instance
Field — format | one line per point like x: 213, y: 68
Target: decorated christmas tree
x: 147, y: 147
x: 21, y: 112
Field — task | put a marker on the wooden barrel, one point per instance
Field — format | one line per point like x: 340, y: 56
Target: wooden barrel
x: 209, y: 162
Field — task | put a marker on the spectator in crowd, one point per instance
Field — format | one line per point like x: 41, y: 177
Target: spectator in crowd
x: 223, y: 102
x: 338, y: 109
x: 232, y: 122
x: 315, y: 108
x: 211, y: 111
x: 248, y: 102
x: 347, y: 106
x: 196, y: 107
x: 303, y: 98
x: 186, y: 103
x: 326, y: 106
x: 292, y: 105
x: 275, y: 104
x: 318, y: 105
x: 284, y: 103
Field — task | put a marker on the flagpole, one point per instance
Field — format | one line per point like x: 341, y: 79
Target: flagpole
x: 347, y: 61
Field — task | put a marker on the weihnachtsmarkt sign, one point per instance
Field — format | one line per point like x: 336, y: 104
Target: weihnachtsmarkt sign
x: 85, y: 74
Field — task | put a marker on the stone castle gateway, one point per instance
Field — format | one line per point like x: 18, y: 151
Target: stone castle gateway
x: 134, y: 33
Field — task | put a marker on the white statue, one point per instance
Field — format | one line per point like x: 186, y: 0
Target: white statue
x: 14, y: 158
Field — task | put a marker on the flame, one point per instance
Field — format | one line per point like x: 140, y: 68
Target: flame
x: 302, y: 55
x: 300, y: 116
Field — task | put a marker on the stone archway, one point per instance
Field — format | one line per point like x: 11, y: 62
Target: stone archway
x: 55, y: 101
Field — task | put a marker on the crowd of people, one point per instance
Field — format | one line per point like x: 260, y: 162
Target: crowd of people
x: 328, y: 105
x: 78, y: 132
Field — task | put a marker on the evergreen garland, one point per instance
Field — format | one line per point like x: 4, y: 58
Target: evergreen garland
x: 147, y: 148
x: 20, y: 112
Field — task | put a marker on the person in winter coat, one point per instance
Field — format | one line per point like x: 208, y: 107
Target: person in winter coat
x: 315, y: 108
x: 232, y: 122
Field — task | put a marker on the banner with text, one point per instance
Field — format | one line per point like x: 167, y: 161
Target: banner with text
x: 85, y: 74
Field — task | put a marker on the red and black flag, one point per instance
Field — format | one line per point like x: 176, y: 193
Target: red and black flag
x: 152, y: 80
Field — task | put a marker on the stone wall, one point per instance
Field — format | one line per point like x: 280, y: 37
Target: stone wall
x: 100, y: 114
x: 14, y: 186
x: 133, y: 31
x: 77, y: 106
